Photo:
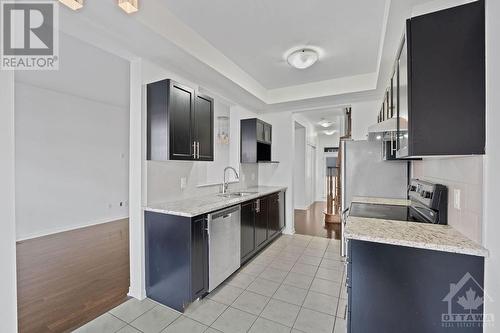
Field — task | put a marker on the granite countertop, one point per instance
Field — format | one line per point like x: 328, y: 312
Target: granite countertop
x: 381, y: 201
x: 412, y: 234
x: 194, y: 206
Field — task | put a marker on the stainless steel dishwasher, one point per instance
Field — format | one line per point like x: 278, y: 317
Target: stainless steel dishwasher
x: 224, y: 240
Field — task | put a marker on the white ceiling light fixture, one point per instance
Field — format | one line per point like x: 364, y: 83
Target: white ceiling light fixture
x: 129, y: 6
x: 325, y: 123
x: 302, y: 58
x: 329, y: 132
x: 73, y: 4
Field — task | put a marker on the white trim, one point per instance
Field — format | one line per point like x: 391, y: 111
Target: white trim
x: 8, y: 283
x: 136, y: 178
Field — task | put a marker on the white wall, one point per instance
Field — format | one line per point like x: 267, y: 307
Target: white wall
x: 164, y: 178
x: 458, y: 173
x: 299, y: 171
x: 8, y: 300
x: 281, y: 174
x: 72, y: 142
x: 364, y: 114
x: 492, y: 163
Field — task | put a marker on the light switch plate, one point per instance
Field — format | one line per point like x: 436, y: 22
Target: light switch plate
x: 183, y: 183
x: 456, y: 198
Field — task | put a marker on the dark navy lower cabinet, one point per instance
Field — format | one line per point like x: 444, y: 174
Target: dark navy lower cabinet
x: 262, y: 221
x: 394, y: 289
x: 176, y: 248
x: 176, y: 258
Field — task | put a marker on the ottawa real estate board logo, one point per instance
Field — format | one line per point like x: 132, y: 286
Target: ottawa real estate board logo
x: 465, y: 301
x: 29, y: 35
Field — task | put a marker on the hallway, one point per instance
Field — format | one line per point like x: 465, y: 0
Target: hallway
x: 312, y: 222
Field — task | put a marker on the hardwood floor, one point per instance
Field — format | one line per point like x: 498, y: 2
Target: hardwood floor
x: 67, y: 279
x: 312, y: 222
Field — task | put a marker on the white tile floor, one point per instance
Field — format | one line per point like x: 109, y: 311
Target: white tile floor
x: 294, y: 285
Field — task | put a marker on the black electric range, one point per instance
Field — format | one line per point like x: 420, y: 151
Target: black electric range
x: 428, y: 204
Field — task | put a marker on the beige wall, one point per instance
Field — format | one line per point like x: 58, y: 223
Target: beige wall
x: 464, y: 174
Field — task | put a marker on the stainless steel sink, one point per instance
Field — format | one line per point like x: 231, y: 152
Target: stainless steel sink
x: 236, y: 194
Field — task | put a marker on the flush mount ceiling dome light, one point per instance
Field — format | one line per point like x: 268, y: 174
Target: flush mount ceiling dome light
x: 325, y: 123
x: 302, y: 58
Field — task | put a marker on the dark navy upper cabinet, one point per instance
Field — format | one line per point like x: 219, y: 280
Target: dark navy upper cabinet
x: 256, y: 141
x: 441, y: 83
x: 179, y: 123
x: 203, y: 127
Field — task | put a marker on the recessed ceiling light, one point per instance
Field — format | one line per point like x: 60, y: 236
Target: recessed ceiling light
x: 129, y: 6
x: 73, y: 4
x: 302, y: 58
x: 329, y: 132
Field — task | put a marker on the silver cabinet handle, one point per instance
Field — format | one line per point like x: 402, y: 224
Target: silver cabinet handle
x: 257, y: 205
x: 194, y: 149
x: 198, y: 149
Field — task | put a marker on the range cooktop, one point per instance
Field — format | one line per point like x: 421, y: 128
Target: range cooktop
x: 386, y: 212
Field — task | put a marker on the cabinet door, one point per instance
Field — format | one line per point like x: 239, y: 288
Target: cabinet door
x: 260, y: 131
x: 203, y: 126
x: 403, y: 102
x: 261, y: 219
x: 267, y: 133
x: 180, y: 105
x: 274, y: 214
x: 282, y: 209
x: 394, y: 99
x: 199, y: 257
x: 247, y: 229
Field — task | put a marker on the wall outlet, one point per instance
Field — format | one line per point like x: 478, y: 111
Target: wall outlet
x: 183, y: 182
x: 456, y: 198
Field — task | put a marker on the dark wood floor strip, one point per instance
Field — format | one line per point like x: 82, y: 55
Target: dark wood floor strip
x: 311, y: 222
x: 67, y: 279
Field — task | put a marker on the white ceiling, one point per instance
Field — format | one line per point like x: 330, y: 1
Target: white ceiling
x: 256, y: 34
x: 330, y: 114
x: 333, y: 114
x: 156, y: 34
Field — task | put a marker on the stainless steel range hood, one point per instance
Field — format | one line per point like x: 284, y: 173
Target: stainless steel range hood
x: 386, y: 129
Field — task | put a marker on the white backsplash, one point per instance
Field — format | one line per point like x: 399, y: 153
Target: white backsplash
x: 164, y: 180
x: 464, y: 174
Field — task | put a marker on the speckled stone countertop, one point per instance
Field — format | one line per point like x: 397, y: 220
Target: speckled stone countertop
x: 412, y: 234
x: 381, y: 201
x: 208, y: 203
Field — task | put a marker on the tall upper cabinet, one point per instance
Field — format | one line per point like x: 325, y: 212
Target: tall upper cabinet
x: 180, y: 123
x: 256, y: 141
x: 441, y: 83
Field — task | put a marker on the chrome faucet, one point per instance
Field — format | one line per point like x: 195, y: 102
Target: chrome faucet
x: 225, y: 184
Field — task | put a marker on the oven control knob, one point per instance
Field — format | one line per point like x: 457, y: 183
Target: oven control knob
x: 426, y: 194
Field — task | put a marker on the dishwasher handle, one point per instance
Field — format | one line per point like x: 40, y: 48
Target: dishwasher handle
x: 223, y: 213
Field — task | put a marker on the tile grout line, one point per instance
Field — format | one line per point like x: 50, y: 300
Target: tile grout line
x: 271, y: 258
